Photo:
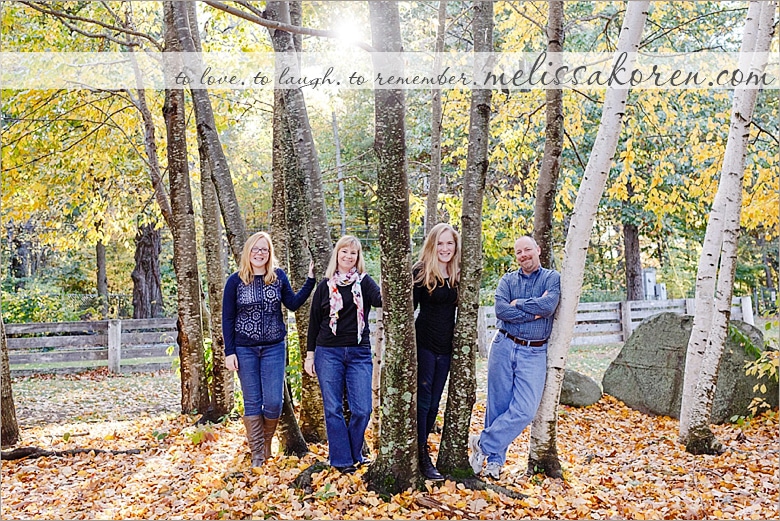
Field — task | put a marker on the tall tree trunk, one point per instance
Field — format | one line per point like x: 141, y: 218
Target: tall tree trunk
x: 299, y: 209
x: 461, y: 394
x: 194, y: 391
x: 220, y: 389
x: 291, y: 439
x: 102, y: 278
x: 714, y: 287
x: 147, y: 284
x: 207, y: 129
x: 9, y: 427
x: 543, y: 452
x: 635, y: 290
x: 221, y: 386
x: 547, y: 186
x: 434, y: 175
x: 395, y: 467
x: 320, y: 244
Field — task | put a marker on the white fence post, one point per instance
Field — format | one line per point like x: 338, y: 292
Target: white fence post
x: 747, y: 310
x: 690, y: 306
x: 114, y: 345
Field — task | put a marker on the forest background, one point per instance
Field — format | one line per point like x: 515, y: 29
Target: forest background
x: 75, y: 177
x: 79, y: 167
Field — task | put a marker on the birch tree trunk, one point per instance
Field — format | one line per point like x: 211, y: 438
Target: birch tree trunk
x: 396, y: 467
x: 194, y: 391
x: 9, y: 427
x: 547, y: 186
x: 434, y: 176
x: 543, y: 452
x: 714, y: 287
x: 207, y: 130
x: 461, y: 393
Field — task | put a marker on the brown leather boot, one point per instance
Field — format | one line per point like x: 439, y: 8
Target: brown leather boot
x: 256, y: 439
x: 269, y: 428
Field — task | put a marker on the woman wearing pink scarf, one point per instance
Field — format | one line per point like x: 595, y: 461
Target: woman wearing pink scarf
x: 339, y: 350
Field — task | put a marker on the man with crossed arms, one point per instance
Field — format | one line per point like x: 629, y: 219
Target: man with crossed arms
x: 526, y: 300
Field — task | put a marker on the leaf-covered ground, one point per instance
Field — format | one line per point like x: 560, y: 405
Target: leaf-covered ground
x: 619, y: 464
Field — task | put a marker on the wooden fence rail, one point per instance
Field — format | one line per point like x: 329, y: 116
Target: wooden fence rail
x: 129, y: 345
x: 145, y: 344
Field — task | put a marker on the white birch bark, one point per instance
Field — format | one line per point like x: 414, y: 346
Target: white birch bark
x: 714, y: 288
x: 543, y: 453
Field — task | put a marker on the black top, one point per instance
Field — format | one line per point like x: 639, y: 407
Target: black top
x: 435, y: 323
x: 320, y: 333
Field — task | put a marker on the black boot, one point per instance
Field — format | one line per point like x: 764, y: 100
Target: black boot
x: 426, y: 465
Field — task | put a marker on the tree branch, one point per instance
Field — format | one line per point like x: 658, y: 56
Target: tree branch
x: 272, y: 24
x: 63, y: 15
x: 36, y: 452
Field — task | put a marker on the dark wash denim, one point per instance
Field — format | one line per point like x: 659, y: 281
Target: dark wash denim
x: 432, y: 371
x: 341, y: 369
x: 261, y: 372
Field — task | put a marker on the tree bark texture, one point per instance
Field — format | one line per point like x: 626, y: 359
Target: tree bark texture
x: 102, y: 278
x: 207, y: 129
x: 434, y: 175
x: 147, y: 284
x: 396, y: 465
x: 298, y: 213
x: 300, y: 207
x: 9, y: 427
x: 714, y: 287
x: 194, y: 391
x: 547, y: 186
x: 543, y: 453
x: 150, y: 144
x: 320, y: 243
x: 221, y: 385
x: 635, y: 290
x: 461, y: 394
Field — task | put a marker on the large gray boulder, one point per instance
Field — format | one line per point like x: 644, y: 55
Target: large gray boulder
x: 579, y: 390
x: 648, y: 373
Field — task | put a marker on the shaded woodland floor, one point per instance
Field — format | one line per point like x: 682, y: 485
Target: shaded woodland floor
x: 619, y: 464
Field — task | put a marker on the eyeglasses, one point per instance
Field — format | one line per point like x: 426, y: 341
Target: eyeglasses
x: 260, y: 250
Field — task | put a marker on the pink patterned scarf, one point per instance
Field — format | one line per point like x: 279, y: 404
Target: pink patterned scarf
x: 337, y: 303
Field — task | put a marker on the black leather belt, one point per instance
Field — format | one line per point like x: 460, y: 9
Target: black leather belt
x: 523, y: 342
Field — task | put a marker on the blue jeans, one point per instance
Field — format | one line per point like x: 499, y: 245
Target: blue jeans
x: 261, y: 372
x: 341, y: 369
x: 516, y: 376
x: 432, y: 371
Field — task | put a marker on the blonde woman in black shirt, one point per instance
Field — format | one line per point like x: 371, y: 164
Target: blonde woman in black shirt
x: 436, y: 277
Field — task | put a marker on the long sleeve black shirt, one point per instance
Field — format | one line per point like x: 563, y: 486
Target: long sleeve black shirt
x: 435, y: 323
x: 320, y: 333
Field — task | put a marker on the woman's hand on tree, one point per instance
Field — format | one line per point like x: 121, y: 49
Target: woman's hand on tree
x: 308, y: 364
x: 231, y: 362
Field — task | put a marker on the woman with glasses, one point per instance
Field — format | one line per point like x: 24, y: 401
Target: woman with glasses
x: 254, y: 331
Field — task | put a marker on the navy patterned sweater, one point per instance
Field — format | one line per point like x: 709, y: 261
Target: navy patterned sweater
x: 252, y: 314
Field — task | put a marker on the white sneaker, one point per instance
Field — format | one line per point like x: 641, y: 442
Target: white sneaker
x: 492, y: 470
x: 477, y: 458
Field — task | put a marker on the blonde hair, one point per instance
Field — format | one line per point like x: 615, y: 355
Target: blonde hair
x: 245, y: 272
x: 346, y: 241
x: 427, y: 266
